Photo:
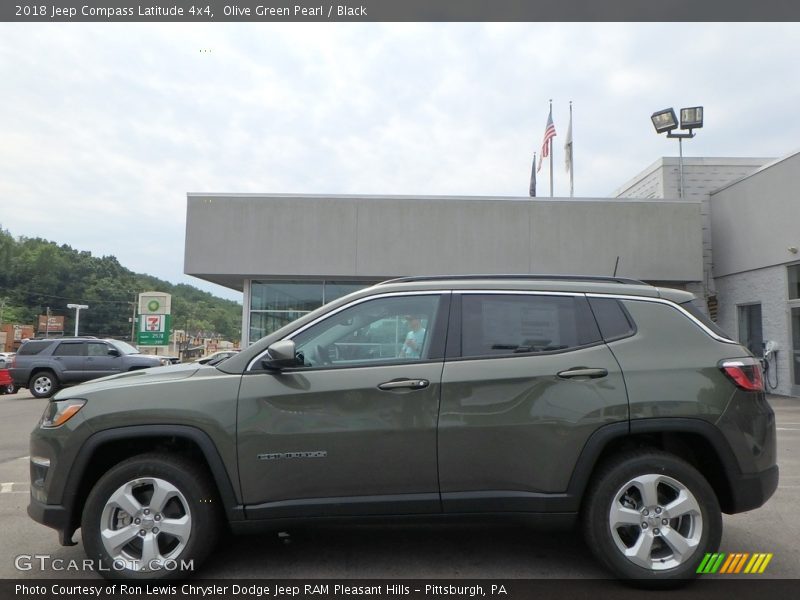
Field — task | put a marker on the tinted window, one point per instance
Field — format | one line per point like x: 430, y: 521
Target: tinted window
x: 70, y: 349
x: 511, y: 324
x: 613, y: 319
x: 29, y: 348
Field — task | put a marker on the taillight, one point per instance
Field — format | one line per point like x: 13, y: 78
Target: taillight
x: 745, y: 373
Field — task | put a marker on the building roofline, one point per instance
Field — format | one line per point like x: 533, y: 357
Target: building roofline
x: 665, y: 161
x: 245, y: 196
x: 762, y: 168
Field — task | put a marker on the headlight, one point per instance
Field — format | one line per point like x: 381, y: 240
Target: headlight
x: 58, y: 413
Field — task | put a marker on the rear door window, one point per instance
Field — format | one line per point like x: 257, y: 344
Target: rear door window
x: 510, y: 324
x: 70, y: 349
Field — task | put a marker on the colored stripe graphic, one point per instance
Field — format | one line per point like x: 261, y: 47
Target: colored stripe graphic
x: 711, y: 563
x: 734, y: 563
x: 765, y: 563
x: 742, y: 560
x: 725, y: 567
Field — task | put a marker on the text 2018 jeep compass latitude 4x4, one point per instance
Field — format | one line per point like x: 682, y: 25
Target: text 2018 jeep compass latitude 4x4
x: 564, y: 399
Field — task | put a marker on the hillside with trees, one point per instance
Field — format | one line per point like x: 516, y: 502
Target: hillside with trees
x: 36, y: 273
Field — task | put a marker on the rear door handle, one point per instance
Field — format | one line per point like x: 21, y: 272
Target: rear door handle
x: 583, y: 372
x: 404, y: 384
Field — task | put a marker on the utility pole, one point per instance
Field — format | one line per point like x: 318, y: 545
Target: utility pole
x: 133, y: 321
x: 78, y: 308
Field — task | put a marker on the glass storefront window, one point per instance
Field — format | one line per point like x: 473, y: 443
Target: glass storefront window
x: 274, y: 304
x: 750, y: 328
x: 794, y: 282
x: 286, y: 295
x: 336, y: 289
x: 265, y: 322
x: 796, y: 345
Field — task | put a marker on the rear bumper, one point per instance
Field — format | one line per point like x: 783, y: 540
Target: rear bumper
x: 751, y: 490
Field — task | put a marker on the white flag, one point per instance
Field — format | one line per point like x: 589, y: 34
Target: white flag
x: 568, y: 144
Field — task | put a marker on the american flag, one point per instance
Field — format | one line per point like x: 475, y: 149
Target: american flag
x: 549, y: 134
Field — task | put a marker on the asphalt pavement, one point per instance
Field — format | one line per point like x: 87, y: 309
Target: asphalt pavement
x: 418, y: 552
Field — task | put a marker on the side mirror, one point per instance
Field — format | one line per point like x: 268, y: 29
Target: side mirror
x: 113, y: 352
x: 280, y: 355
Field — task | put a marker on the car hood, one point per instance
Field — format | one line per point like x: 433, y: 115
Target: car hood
x: 138, y: 377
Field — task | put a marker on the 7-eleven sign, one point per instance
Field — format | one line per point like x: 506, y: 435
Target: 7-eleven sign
x: 153, y: 330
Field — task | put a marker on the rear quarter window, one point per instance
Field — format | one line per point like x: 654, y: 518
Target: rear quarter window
x: 614, y: 321
x: 693, y: 310
x: 31, y: 348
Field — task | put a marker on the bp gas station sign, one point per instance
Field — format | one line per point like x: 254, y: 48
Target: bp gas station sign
x: 154, y: 321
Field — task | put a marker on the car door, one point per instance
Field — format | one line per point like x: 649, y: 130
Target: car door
x: 70, y: 357
x: 352, y: 430
x: 99, y: 362
x: 526, y: 381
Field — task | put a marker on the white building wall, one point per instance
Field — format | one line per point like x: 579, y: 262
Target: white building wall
x: 768, y: 287
x: 701, y: 177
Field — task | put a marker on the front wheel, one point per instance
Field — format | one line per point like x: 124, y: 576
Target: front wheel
x: 651, y: 518
x: 153, y: 516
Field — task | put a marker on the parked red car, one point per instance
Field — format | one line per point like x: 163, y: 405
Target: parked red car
x: 6, y: 384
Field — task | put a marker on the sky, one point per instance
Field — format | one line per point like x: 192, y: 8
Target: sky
x: 104, y: 128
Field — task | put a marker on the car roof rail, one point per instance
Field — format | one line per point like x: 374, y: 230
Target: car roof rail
x: 522, y: 277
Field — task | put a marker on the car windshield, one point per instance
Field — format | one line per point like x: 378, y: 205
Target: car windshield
x: 123, y: 347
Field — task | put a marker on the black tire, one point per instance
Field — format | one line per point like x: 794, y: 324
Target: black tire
x: 618, y: 486
x: 43, y: 384
x: 194, y: 496
x: 10, y: 389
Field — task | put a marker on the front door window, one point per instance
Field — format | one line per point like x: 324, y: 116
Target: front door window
x: 380, y: 331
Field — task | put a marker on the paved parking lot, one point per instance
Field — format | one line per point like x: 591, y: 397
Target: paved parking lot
x: 392, y: 552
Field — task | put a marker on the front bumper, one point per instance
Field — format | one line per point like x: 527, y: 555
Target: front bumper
x: 55, y: 516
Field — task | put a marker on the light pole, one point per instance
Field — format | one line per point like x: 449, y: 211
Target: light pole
x: 665, y: 121
x: 78, y: 308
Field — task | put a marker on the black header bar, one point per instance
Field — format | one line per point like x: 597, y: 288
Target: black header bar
x: 398, y: 10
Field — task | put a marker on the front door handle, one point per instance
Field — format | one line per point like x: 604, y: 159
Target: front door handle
x: 583, y: 372
x: 407, y: 384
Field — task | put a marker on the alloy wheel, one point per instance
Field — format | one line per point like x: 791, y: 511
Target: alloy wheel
x: 655, y: 522
x: 145, y: 523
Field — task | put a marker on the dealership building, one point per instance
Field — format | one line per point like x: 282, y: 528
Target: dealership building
x: 732, y: 239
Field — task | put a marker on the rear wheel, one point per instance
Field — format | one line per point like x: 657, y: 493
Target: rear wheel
x: 652, y: 518
x: 153, y: 516
x: 43, y: 384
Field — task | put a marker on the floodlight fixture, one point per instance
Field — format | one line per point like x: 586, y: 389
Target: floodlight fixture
x: 692, y: 118
x: 664, y: 120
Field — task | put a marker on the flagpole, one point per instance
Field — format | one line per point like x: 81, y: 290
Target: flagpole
x: 550, y: 141
x: 571, y: 155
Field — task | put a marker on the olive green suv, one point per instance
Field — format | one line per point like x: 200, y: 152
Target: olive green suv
x: 550, y: 399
